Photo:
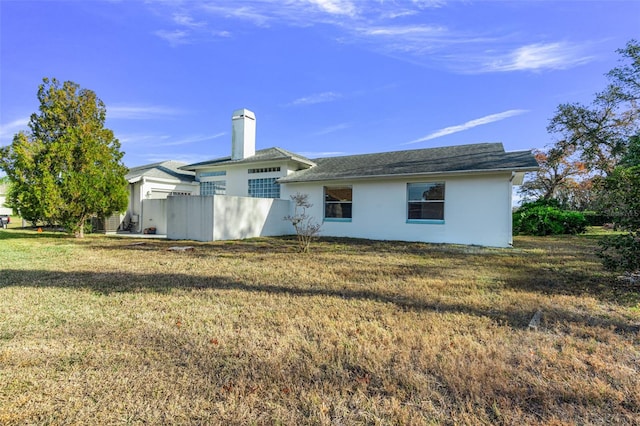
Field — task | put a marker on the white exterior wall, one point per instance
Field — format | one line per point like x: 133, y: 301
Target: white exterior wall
x: 190, y: 218
x: 3, y: 208
x: 154, y: 215
x: 237, y: 176
x: 477, y: 210
x: 148, y: 189
x: 243, y: 217
x: 223, y: 217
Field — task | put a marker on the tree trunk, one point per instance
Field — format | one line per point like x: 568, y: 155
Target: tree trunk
x: 80, y: 231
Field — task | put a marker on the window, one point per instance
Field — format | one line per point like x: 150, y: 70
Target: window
x: 180, y: 193
x: 216, y: 187
x: 338, y: 201
x: 216, y: 173
x: 265, y: 170
x: 264, y: 188
x: 425, y: 201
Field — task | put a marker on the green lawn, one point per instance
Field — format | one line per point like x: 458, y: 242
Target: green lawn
x: 122, y: 331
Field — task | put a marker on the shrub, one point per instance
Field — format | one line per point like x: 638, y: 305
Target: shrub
x: 620, y: 252
x: 544, y: 217
x: 597, y: 219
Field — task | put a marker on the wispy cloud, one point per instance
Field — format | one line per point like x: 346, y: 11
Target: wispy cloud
x: 158, y: 157
x: 186, y: 20
x: 402, y: 30
x: 192, y: 139
x: 316, y: 98
x: 140, y: 112
x: 469, y: 125
x: 165, y: 140
x: 534, y: 57
x: 331, y: 129
x: 7, y: 131
x: 321, y: 154
x: 336, y: 7
x: 175, y: 37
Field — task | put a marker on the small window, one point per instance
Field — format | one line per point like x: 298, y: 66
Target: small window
x: 216, y: 187
x: 216, y: 173
x: 265, y: 170
x: 264, y: 188
x: 425, y: 201
x: 338, y: 201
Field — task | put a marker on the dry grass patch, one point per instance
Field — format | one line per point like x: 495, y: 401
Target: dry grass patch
x: 107, y: 331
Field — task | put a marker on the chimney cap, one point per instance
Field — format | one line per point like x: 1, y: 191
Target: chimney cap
x: 243, y: 113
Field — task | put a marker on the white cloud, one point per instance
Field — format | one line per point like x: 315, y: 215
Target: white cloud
x: 317, y: 98
x: 137, y: 112
x: 336, y: 7
x: 175, y: 37
x: 533, y: 57
x: 192, y: 139
x: 310, y: 154
x: 421, y: 39
x: 331, y: 129
x: 407, y: 30
x: 187, y: 21
x: 469, y: 125
x: 7, y: 131
x: 257, y: 16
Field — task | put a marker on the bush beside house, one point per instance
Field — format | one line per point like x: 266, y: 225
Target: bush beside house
x: 544, y: 217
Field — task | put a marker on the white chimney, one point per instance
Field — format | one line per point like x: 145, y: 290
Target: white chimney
x: 243, y: 134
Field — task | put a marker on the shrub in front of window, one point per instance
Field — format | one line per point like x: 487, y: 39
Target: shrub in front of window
x: 307, y: 229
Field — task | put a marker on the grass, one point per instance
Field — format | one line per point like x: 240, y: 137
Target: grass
x: 107, y: 331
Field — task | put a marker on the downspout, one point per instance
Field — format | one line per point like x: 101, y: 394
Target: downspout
x: 510, y: 207
x: 144, y: 181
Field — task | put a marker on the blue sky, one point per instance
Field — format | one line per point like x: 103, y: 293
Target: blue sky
x: 324, y: 77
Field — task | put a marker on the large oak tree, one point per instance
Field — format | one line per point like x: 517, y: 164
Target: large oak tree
x: 68, y: 167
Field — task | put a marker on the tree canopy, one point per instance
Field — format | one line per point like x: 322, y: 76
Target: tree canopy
x: 68, y: 167
x: 599, y: 133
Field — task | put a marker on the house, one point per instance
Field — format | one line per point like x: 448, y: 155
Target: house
x: 148, y: 186
x: 4, y: 189
x: 456, y: 194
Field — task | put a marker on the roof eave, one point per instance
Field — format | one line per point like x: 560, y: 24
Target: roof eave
x: 398, y: 175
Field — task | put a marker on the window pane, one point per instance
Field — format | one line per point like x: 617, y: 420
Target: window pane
x: 337, y: 194
x: 218, y: 187
x: 420, y: 210
x: 338, y: 202
x: 337, y: 210
x: 426, y: 191
x: 425, y: 201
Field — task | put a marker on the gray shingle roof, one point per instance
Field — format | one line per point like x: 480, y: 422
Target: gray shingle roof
x: 261, y: 155
x: 163, y: 170
x: 453, y: 159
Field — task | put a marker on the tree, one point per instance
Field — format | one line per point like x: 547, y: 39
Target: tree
x: 307, y: 229
x: 621, y: 201
x: 69, y: 166
x: 559, y: 177
x: 600, y: 133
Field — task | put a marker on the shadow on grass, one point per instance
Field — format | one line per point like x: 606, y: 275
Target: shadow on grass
x: 108, y: 283
x: 26, y: 233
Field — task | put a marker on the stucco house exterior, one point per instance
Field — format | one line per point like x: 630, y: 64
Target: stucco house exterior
x: 155, y: 181
x: 457, y: 194
x: 4, y: 189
